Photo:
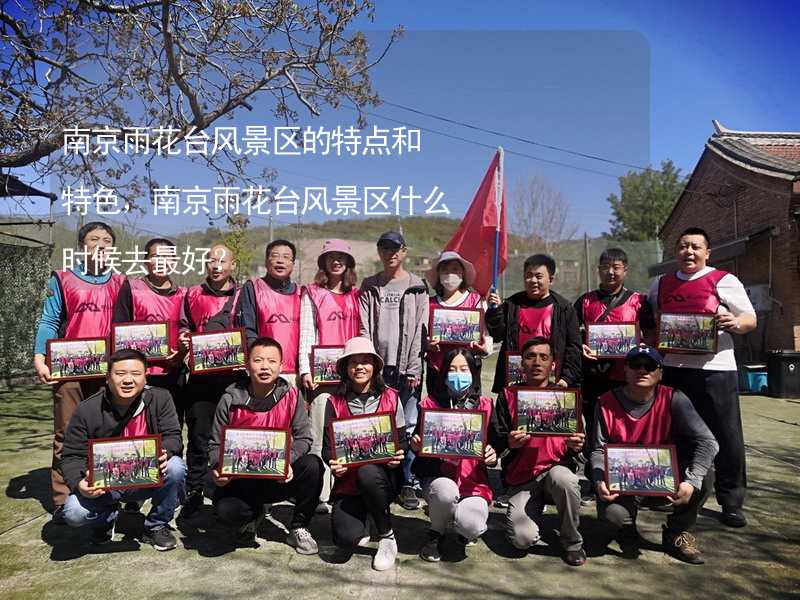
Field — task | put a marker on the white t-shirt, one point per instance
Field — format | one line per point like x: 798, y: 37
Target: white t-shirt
x: 733, y: 296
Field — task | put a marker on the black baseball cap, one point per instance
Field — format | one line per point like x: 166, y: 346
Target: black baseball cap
x: 644, y: 351
x: 392, y: 238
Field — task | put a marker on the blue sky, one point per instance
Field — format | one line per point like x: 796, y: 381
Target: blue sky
x: 635, y: 82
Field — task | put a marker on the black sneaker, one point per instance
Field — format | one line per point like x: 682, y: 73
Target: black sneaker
x: 246, y: 536
x: 161, y: 539
x: 192, y: 504
x: 432, y: 551
x: 501, y: 501
x: 131, y: 508
x: 628, y: 539
x: 408, y: 498
x: 574, y: 558
x: 58, y: 516
x: 733, y: 517
x: 101, y: 535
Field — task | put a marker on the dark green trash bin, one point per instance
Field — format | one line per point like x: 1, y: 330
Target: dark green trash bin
x: 784, y: 373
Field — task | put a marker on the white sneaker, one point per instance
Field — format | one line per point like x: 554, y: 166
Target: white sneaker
x: 386, y: 554
x: 302, y: 541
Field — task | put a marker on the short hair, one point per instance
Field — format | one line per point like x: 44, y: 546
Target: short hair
x: 276, y: 243
x: 537, y: 341
x: 696, y: 231
x: 346, y: 386
x: 157, y: 242
x: 611, y: 255
x: 540, y: 260
x: 265, y: 342
x: 91, y: 226
x: 126, y: 354
x: 440, y: 389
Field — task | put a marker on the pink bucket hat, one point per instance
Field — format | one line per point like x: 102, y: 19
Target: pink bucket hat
x: 359, y: 345
x: 432, y: 274
x: 335, y: 245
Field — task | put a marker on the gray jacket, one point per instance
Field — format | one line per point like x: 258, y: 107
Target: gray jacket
x: 413, y: 320
x: 237, y: 394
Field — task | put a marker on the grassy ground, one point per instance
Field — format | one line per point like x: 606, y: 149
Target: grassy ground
x: 41, y: 561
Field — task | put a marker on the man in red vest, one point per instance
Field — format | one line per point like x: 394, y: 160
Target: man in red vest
x: 79, y: 304
x: 646, y: 413
x: 269, y: 306
x: 710, y: 380
x: 539, y: 469
x: 125, y: 408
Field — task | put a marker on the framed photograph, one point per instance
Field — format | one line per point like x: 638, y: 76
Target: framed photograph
x: 217, y: 351
x: 687, y: 333
x: 642, y: 470
x: 125, y: 463
x: 364, y: 439
x: 453, y: 434
x: 252, y: 452
x: 514, y: 373
x: 323, y: 364
x: 149, y: 338
x: 82, y: 358
x: 548, y: 411
x: 456, y: 326
x: 612, y: 340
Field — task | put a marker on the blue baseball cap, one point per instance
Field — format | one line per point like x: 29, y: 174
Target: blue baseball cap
x: 392, y: 238
x: 644, y: 351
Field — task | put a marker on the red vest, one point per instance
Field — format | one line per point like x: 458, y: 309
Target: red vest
x: 203, y: 306
x: 88, y: 306
x: 538, y: 455
x: 334, y: 325
x: 279, y: 318
x: 696, y: 296
x: 137, y: 426
x: 278, y: 417
x: 472, y: 476
x: 473, y: 300
x: 347, y: 484
x: 534, y: 322
x: 593, y: 309
x: 652, y: 428
x: 150, y: 306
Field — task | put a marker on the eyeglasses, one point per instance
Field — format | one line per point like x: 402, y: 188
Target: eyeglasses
x: 284, y: 257
x: 647, y: 365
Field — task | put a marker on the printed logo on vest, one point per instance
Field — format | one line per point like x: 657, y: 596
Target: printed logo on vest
x: 674, y: 298
x: 276, y: 318
x: 87, y: 307
x: 337, y: 315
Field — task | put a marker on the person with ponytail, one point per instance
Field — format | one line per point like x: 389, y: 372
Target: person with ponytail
x: 367, y: 490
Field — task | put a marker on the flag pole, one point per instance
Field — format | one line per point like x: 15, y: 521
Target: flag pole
x: 498, y: 201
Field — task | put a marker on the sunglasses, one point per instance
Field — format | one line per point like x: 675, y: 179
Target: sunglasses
x: 647, y: 365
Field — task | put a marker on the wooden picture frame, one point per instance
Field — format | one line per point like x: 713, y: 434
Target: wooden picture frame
x: 131, y: 451
x: 321, y: 358
x: 671, y: 325
x: 434, y: 423
x: 223, y: 340
x: 355, y: 428
x: 265, y: 443
x: 514, y: 373
x: 153, y: 328
x: 612, y: 340
x: 626, y: 454
x: 543, y: 418
x: 444, y: 322
x: 67, y: 359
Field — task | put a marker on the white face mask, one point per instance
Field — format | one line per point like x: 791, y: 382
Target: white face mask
x: 450, y: 282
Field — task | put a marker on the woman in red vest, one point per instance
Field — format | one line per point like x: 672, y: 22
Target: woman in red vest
x: 457, y: 492
x: 329, y: 315
x: 367, y: 490
x: 267, y: 401
x: 452, y: 276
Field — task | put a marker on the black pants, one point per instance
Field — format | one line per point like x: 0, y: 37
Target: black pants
x: 175, y: 384
x: 241, y: 500
x: 622, y: 512
x: 201, y: 397
x: 377, y: 489
x: 715, y: 397
x: 593, y: 385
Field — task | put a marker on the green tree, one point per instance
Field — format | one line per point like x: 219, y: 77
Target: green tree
x: 238, y: 240
x: 645, y: 201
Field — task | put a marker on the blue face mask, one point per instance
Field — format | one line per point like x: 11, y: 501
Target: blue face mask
x: 458, y: 382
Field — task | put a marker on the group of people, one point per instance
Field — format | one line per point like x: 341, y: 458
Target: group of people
x: 643, y: 399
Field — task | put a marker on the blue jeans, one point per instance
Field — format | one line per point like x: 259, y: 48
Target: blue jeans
x: 101, y: 512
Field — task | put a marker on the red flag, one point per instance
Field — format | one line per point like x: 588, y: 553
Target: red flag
x: 475, y: 237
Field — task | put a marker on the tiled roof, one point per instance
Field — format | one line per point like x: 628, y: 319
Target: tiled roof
x: 772, y: 153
